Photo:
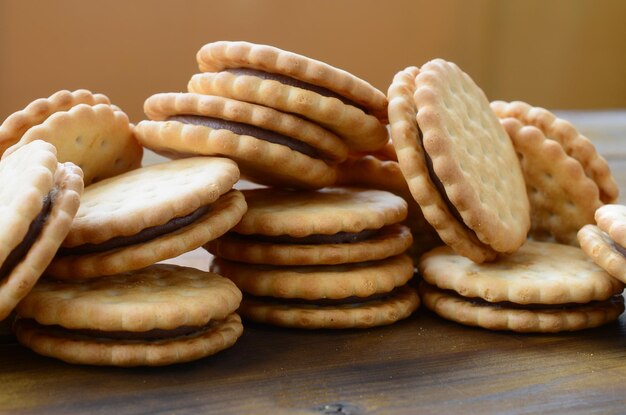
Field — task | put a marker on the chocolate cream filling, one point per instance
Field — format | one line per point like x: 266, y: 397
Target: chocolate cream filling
x: 247, y: 129
x: 142, y: 236
x: 19, y: 252
x: 353, y: 301
x: 317, y: 239
x: 287, y: 80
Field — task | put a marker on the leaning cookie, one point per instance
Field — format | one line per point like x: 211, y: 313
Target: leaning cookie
x: 270, y: 147
x: 605, y: 244
x: 39, y: 110
x: 543, y: 287
x: 563, y: 132
x: 458, y: 161
x: 292, y: 83
x: 160, y: 315
x: 39, y: 198
x: 562, y: 197
x: 150, y: 214
x: 99, y: 139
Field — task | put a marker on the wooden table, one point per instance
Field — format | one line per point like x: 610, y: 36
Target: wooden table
x: 420, y: 365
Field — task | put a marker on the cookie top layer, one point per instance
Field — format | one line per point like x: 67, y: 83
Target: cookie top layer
x: 98, y: 139
x: 603, y: 250
x: 328, y: 146
x: 157, y: 297
x: 33, y: 175
x: 39, y: 110
x: 217, y: 56
x: 149, y: 196
x: 326, y: 211
x: 538, y: 273
x: 412, y: 161
x: 575, y: 144
x: 472, y: 156
x: 612, y: 220
x: 562, y: 198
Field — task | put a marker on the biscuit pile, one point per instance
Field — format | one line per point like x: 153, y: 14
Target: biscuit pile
x: 489, y: 200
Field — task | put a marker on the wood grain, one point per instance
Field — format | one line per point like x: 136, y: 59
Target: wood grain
x: 420, y: 365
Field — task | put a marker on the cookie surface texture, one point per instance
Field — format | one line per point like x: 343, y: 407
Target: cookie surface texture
x: 538, y: 273
x: 472, y: 313
x: 612, y: 220
x: 16, y: 124
x: 33, y: 174
x: 99, y: 139
x: 412, y: 161
x: 562, y: 198
x: 575, y: 144
x: 358, y: 122
x: 117, y: 319
x: 603, y: 250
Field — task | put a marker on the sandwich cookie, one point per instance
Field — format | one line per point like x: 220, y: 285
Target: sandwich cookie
x: 562, y: 197
x: 150, y: 214
x: 376, y: 172
x: 160, y: 315
x: 458, y: 161
x: 574, y: 144
x: 331, y: 258
x: 543, y: 287
x: 292, y: 83
x: 38, y: 200
x: 35, y: 113
x: 270, y: 147
x: 99, y: 139
x: 605, y: 243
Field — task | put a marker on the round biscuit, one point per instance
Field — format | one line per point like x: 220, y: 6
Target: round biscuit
x: 538, y: 273
x: 331, y: 148
x: 259, y: 160
x: 612, y: 220
x: 318, y: 281
x: 412, y: 162
x: 398, y: 305
x: 16, y: 124
x: 562, y: 198
x: 225, y: 213
x: 389, y: 241
x: 78, y: 349
x: 599, y: 246
x: 575, y: 144
x: 472, y: 156
x: 549, y: 320
x: 150, y: 196
x: 217, y: 56
x: 360, y: 131
x: 99, y: 139
x: 68, y: 186
x: 156, y: 297
x: 326, y: 211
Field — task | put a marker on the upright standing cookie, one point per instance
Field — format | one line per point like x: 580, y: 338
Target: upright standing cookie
x: 38, y: 200
x: 458, y: 161
x: 292, y: 83
x: 150, y: 214
x: 270, y: 147
x: 563, y: 132
x: 543, y: 287
x: 39, y: 110
x: 160, y: 315
x: 98, y: 139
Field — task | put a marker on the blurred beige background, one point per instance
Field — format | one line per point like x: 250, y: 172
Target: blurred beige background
x: 567, y: 54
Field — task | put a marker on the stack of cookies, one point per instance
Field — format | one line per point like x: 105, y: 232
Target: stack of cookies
x: 331, y: 258
x: 103, y: 301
